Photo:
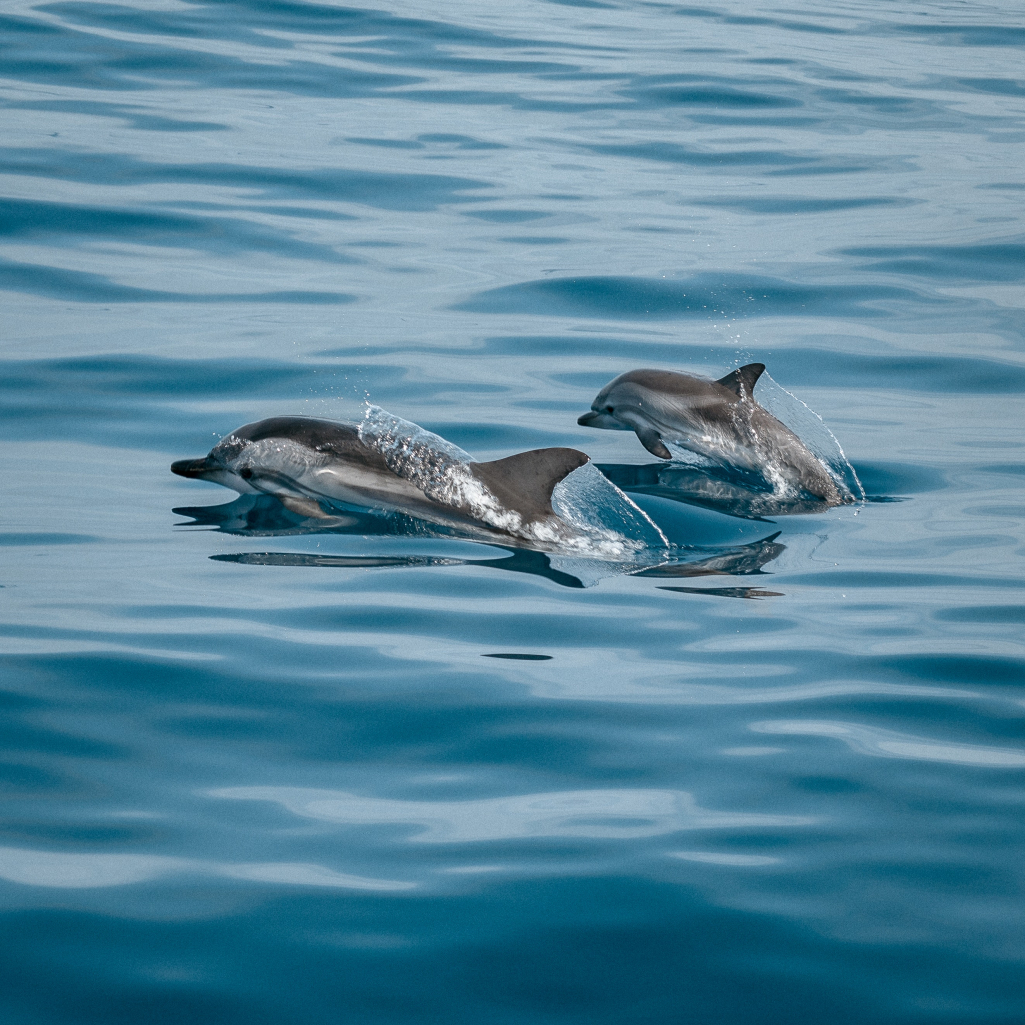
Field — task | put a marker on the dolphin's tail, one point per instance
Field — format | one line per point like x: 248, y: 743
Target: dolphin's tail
x: 523, y: 483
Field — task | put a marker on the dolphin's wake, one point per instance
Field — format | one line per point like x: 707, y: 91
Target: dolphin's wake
x: 594, y: 519
x: 812, y: 430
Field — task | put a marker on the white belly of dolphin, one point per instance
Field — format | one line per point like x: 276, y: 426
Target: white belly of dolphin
x: 292, y: 470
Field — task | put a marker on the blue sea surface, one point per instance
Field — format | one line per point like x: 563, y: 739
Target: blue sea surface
x: 260, y: 774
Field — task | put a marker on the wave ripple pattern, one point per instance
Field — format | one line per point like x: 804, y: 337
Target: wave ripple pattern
x: 275, y: 765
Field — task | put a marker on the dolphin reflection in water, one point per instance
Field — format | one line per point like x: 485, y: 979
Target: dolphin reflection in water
x: 723, y: 489
x: 260, y: 516
x: 722, y: 422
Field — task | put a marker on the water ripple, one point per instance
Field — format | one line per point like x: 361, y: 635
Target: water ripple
x: 882, y: 743
x: 85, y: 871
x: 593, y: 814
x: 232, y: 738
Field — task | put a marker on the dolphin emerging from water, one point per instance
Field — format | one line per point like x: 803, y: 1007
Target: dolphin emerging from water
x: 303, y: 461
x: 717, y: 419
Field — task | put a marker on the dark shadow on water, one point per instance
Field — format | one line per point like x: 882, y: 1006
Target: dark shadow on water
x: 522, y: 657
x: 899, y: 479
x: 727, y: 592
x: 519, y: 560
x: 264, y: 516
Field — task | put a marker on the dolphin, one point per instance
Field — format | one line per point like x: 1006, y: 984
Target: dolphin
x: 303, y: 461
x: 717, y: 419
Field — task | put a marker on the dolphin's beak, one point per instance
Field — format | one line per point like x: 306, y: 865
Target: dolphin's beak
x: 195, y: 468
x: 602, y: 420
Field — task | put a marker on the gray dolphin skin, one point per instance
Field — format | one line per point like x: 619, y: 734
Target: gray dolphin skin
x: 717, y: 419
x: 303, y: 460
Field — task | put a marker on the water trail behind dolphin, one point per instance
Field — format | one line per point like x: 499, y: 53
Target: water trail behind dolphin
x: 770, y: 479
x: 812, y: 430
x: 601, y: 523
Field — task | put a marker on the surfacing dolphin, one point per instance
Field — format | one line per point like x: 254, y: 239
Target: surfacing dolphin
x: 304, y: 461
x: 717, y: 419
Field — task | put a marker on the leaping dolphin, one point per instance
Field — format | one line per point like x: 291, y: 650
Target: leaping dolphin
x: 717, y: 419
x: 302, y: 461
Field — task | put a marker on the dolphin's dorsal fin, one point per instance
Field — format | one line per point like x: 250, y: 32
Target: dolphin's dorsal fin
x: 742, y: 380
x: 524, y: 482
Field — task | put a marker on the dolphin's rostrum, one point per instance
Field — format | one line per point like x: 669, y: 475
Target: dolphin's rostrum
x: 719, y: 420
x: 303, y: 461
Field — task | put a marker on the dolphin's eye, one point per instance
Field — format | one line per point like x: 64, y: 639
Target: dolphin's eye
x: 245, y: 473
x: 608, y: 409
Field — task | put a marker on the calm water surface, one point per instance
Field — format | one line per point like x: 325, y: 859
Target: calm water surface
x: 277, y: 788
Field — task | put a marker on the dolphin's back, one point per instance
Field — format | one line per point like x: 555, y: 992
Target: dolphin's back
x: 331, y: 437
x: 669, y: 382
x: 738, y: 384
x: 662, y: 393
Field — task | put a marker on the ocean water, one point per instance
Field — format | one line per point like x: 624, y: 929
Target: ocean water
x: 257, y: 771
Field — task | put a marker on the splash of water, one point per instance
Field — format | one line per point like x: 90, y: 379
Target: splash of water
x: 593, y: 505
x: 812, y: 430
x: 595, y: 519
x: 767, y: 472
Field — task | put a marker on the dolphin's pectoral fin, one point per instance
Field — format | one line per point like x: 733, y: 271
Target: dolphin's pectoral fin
x: 303, y: 507
x: 280, y: 487
x: 652, y: 441
x: 742, y: 381
x: 523, y: 483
